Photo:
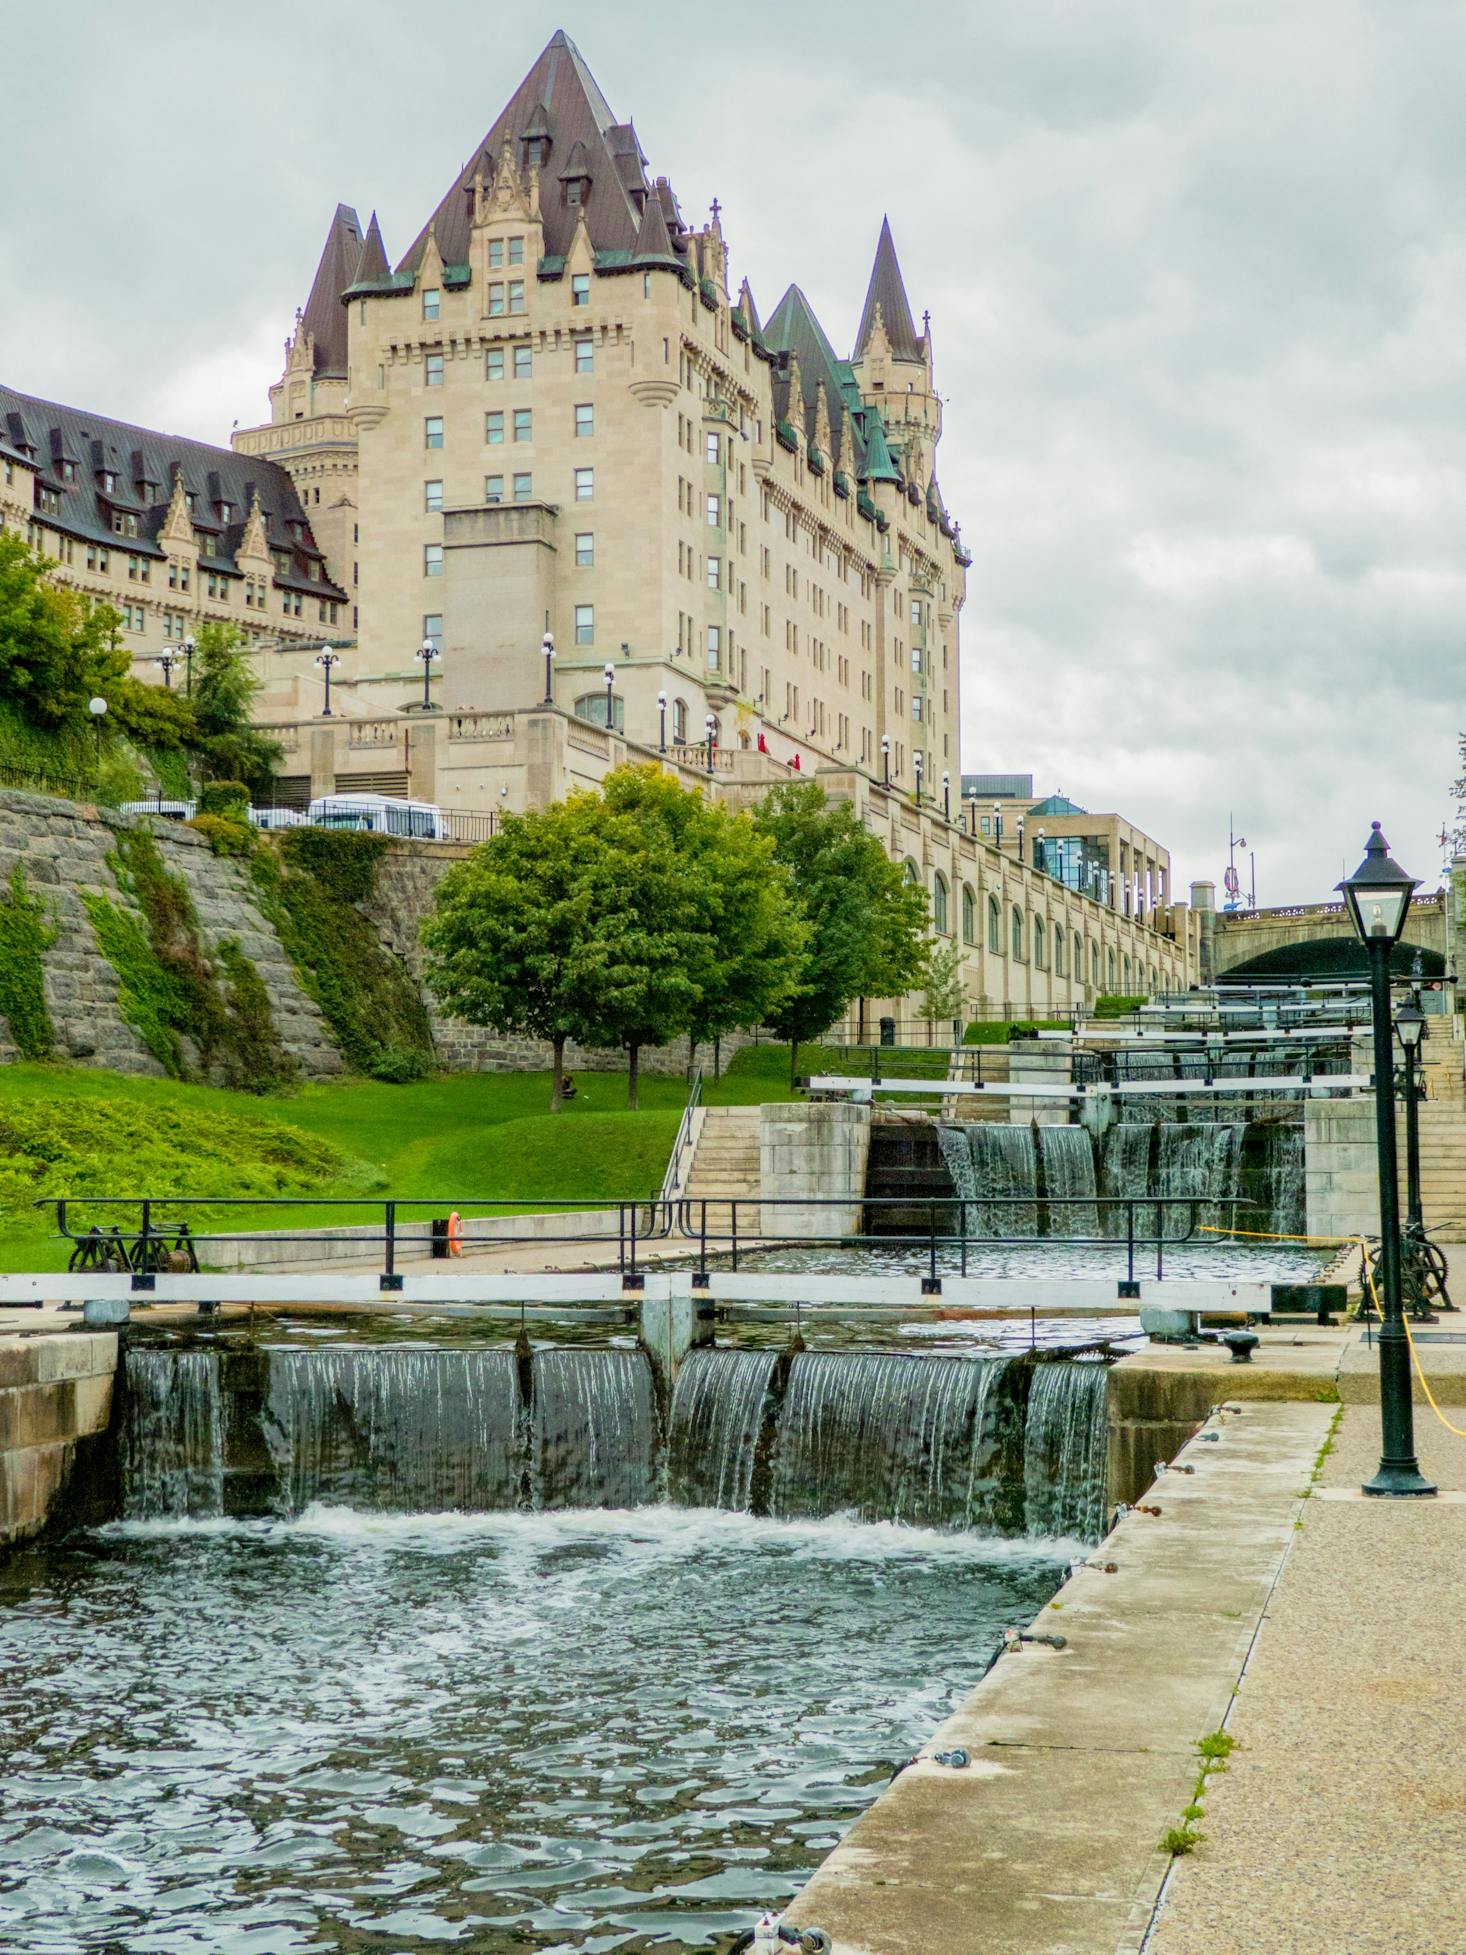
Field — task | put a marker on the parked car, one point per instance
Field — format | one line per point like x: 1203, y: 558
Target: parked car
x: 169, y: 810
x: 380, y: 814
x: 278, y: 817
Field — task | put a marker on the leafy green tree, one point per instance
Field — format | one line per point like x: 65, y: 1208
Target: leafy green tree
x: 224, y: 690
x: 867, y: 924
x: 510, y: 924
x: 55, y: 651
x: 942, y: 996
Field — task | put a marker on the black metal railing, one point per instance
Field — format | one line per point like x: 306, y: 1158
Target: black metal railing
x: 38, y: 780
x: 148, y: 1235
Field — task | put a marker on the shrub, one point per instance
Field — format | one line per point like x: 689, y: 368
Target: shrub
x: 25, y: 937
x: 229, y: 798
x: 225, y: 836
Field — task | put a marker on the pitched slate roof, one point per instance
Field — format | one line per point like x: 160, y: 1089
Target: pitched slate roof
x: 324, y: 317
x: 559, y: 98
x: 887, y: 289
x: 371, y: 264
x: 145, y: 464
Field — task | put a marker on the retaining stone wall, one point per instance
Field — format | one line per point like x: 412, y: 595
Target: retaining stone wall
x: 55, y: 1394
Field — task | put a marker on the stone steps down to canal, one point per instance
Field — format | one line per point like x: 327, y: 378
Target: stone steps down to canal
x: 725, y: 1161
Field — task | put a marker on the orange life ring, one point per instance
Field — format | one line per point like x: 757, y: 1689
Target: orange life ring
x: 455, y: 1234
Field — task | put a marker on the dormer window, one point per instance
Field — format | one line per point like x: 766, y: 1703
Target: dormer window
x: 68, y: 471
x: 188, y: 500
x: 536, y: 149
x: 574, y: 189
x: 226, y: 512
x: 109, y: 482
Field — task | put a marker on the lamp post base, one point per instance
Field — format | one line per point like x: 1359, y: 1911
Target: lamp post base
x: 1396, y: 1479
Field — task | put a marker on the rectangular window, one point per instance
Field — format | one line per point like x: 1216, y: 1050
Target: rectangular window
x: 523, y: 424
x: 580, y: 288
x: 494, y: 427
x: 430, y: 302
x: 715, y: 512
x: 432, y: 497
x: 496, y: 254
x: 523, y: 488
x: 433, y: 431
x: 516, y: 251
x: 916, y: 703
x: 496, y: 300
x: 585, y: 484
x: 715, y: 648
x: 493, y: 488
x: 585, y: 356
x: 432, y: 560
x: 494, y: 363
x: 432, y: 629
x: 715, y: 573
x: 585, y: 418
x: 585, y: 550
x: 715, y: 450
x: 585, y: 624
x: 433, y: 369
x: 516, y: 295
x: 523, y: 362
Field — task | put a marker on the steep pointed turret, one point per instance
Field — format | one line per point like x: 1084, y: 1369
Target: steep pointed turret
x: 653, y: 240
x: 371, y: 263
x: 886, y: 294
x: 323, y: 318
x: 878, y: 465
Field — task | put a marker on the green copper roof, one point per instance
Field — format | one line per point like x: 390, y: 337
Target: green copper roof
x: 878, y: 466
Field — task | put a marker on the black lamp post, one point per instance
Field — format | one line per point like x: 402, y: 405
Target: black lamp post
x: 998, y: 824
x: 609, y: 673
x: 916, y: 763
x: 549, y: 651
x: 1040, y: 852
x: 885, y: 760
x: 190, y: 646
x: 1378, y: 899
x: 326, y: 658
x: 98, y: 710
x: 712, y: 726
x: 167, y: 659
x: 946, y: 795
x: 427, y: 651
x: 661, y: 722
x: 1411, y: 1031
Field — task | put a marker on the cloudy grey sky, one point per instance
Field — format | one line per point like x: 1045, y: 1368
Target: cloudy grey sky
x: 1197, y: 276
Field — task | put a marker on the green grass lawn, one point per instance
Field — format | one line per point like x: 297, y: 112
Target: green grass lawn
x: 470, y: 1140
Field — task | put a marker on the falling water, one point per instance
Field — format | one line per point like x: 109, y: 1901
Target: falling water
x: 717, y: 1414
x: 1126, y: 1170
x: 173, y: 1439
x: 1283, y: 1184
x: 957, y: 1154
x: 1004, y: 1163
x: 1064, y: 1450
x: 890, y: 1438
x: 1197, y: 1160
x: 1067, y: 1154
x: 396, y: 1431
x: 595, y: 1429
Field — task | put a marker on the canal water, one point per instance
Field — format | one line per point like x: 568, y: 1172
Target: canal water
x: 497, y: 1731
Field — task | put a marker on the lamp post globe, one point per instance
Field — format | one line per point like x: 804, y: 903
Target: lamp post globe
x: 946, y: 795
x: 190, y: 646
x: 609, y: 674
x: 1411, y: 1033
x: 97, y: 707
x: 326, y: 658
x: 712, y: 730
x: 885, y: 760
x: 548, y: 647
x: 1377, y: 898
x: 916, y: 764
x: 167, y: 659
x: 427, y: 651
x: 661, y: 722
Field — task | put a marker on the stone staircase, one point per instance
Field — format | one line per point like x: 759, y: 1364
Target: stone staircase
x: 1442, y: 1134
x: 725, y: 1161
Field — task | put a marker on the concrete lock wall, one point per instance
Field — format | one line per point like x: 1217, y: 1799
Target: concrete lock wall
x: 1341, y: 1171
x: 55, y: 1391
x: 816, y: 1152
x: 1039, y: 1065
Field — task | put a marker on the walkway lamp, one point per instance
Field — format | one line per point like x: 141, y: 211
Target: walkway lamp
x: 712, y: 726
x: 427, y: 651
x: 946, y: 795
x: 661, y: 722
x: 609, y: 673
x: 1377, y: 897
x: 167, y: 659
x: 98, y: 710
x: 549, y: 651
x: 916, y: 763
x: 326, y: 658
x: 1411, y: 1032
x: 1041, y: 852
x: 190, y: 646
x: 885, y: 760
x: 998, y: 824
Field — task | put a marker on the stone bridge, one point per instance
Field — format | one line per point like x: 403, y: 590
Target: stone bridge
x: 1317, y: 940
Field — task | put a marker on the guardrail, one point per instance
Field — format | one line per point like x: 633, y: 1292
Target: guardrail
x: 672, y: 1179
x: 162, y: 1235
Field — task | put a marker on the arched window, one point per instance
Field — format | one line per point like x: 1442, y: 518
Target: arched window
x: 1078, y: 957
x: 1126, y: 962
x: 1154, y: 983
x: 1040, y: 951
x: 1018, y: 933
x: 1094, y: 968
x: 910, y: 871
x: 995, y: 925
x: 969, y: 915
x: 679, y: 721
x: 591, y: 706
x: 1058, y: 953
x: 940, y: 921
x: 1110, y: 966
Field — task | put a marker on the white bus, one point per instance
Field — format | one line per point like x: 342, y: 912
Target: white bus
x: 379, y: 814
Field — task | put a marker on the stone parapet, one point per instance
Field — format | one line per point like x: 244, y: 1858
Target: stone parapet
x: 55, y: 1391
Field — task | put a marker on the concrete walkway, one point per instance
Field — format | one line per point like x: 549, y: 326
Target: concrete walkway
x: 1340, y: 1825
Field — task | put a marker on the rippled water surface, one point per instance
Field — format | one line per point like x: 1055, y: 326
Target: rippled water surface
x: 507, y: 1732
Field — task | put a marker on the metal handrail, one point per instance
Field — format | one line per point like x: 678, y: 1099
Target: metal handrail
x: 674, y: 1164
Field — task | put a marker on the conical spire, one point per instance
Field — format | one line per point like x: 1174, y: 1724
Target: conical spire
x: 887, y: 294
x: 323, y: 317
x: 878, y: 465
x: 653, y: 240
x: 371, y: 265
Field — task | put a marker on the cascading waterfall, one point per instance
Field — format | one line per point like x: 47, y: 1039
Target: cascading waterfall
x: 396, y: 1431
x: 1126, y: 1171
x: 718, y: 1412
x: 957, y: 1153
x: 595, y: 1429
x: 887, y: 1437
x: 1004, y: 1163
x: 173, y: 1437
x: 1064, y: 1449
x: 1067, y: 1155
x: 1198, y: 1160
x: 1283, y: 1178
